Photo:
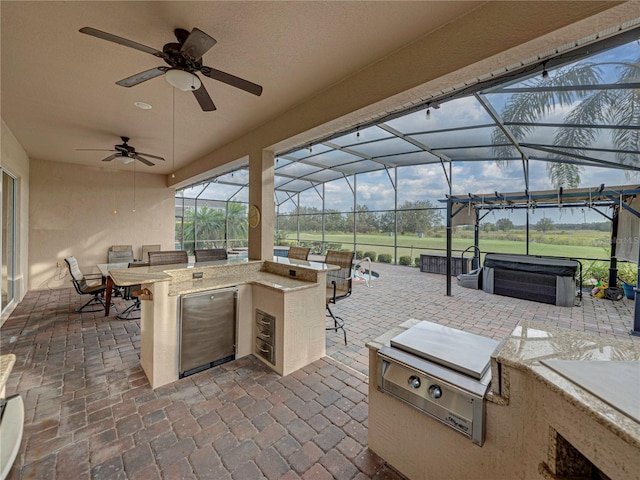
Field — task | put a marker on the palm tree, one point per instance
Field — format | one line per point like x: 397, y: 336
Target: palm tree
x: 529, y: 107
x: 237, y: 221
x: 614, y: 107
x: 204, y: 224
x: 611, y: 107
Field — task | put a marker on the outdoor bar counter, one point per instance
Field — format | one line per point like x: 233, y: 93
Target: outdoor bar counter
x: 291, y: 291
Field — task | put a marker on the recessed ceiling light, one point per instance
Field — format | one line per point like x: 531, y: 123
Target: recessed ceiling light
x: 142, y: 105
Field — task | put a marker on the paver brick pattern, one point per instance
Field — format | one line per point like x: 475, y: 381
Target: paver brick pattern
x: 90, y: 412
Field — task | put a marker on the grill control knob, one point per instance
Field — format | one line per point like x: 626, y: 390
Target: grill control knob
x: 435, y: 391
x: 414, y: 382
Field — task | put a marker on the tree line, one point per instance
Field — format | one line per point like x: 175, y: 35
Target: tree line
x: 545, y: 225
x: 412, y: 217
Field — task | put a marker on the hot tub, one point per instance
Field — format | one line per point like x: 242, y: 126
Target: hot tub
x: 541, y: 279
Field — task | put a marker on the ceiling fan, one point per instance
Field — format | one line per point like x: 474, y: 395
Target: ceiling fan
x: 184, y: 59
x: 124, y: 151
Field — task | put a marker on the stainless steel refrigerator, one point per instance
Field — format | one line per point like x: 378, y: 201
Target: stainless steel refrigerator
x: 207, y: 329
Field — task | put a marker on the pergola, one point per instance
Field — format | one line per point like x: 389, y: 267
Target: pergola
x: 623, y: 201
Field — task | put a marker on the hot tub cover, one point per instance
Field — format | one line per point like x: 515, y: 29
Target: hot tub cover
x: 530, y: 263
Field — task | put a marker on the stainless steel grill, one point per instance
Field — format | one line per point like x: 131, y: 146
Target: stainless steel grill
x: 442, y: 372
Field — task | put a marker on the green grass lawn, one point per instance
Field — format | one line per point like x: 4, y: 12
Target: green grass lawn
x: 586, y: 245
x: 412, y: 245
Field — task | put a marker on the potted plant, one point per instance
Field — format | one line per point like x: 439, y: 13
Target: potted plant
x: 628, y: 276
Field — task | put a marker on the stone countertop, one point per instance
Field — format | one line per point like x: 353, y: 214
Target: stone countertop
x: 125, y: 277
x: 6, y: 364
x: 531, y: 342
x: 222, y: 274
x: 318, y: 266
x: 270, y: 280
x: 531, y: 345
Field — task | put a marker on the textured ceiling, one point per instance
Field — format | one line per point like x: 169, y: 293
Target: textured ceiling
x: 58, y: 88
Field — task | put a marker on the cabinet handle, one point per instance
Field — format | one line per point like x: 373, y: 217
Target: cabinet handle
x: 262, y: 322
x: 263, y: 350
x: 264, y: 335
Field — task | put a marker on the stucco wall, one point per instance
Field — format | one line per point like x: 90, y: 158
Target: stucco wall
x: 16, y: 161
x: 71, y: 213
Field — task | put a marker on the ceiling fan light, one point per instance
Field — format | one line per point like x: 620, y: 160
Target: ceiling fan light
x: 183, y: 80
x: 125, y: 160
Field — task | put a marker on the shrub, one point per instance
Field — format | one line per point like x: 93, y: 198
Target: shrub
x: 359, y: 254
x: 385, y: 258
x: 372, y: 255
x: 628, y: 273
x: 405, y: 260
x: 418, y: 261
x: 596, y: 271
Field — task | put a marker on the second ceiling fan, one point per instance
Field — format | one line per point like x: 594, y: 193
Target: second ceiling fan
x: 184, y: 59
x: 124, y: 152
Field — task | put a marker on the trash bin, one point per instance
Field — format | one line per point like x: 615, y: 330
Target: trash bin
x: 629, y: 290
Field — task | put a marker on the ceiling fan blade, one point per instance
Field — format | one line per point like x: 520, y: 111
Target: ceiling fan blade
x: 232, y: 80
x: 196, y: 45
x: 122, y: 41
x: 149, y: 155
x: 142, y: 77
x: 95, y: 150
x: 110, y: 157
x: 143, y: 160
x: 204, y: 99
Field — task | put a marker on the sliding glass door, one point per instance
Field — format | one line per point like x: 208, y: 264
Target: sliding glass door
x: 7, y: 240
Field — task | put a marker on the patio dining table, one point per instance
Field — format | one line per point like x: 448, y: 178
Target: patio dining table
x: 104, y: 271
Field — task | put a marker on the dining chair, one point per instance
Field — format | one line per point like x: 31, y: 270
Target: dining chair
x: 339, y: 285
x: 83, y: 287
x: 132, y: 312
x: 210, y: 254
x: 168, y: 257
x: 298, y: 253
x: 149, y: 248
x: 120, y: 256
x: 120, y: 248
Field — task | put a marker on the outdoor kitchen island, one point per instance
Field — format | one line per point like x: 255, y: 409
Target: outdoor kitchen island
x: 560, y: 405
x: 290, y: 292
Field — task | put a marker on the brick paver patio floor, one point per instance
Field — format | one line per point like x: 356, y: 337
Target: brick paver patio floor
x: 90, y: 412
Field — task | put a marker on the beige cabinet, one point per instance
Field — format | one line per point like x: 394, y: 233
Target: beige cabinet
x: 298, y: 332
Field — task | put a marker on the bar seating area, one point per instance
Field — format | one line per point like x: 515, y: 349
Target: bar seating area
x: 299, y: 253
x: 168, y: 257
x: 210, y: 255
x: 339, y: 286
